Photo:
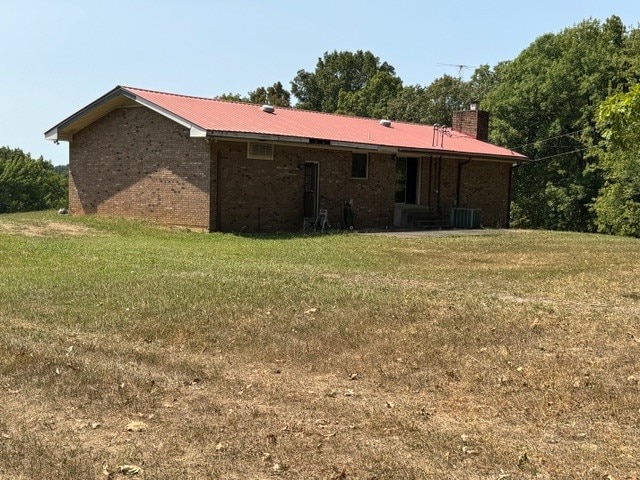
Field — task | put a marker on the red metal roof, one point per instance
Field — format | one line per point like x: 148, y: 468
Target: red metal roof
x: 218, y: 116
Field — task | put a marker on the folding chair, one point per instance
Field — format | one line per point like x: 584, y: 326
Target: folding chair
x: 322, y: 220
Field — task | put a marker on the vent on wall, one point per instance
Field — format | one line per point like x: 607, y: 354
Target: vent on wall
x: 260, y: 151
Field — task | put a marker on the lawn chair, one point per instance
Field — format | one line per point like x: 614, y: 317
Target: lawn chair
x: 322, y: 220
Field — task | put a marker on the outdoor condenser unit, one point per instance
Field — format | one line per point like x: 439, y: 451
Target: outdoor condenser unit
x: 466, y: 217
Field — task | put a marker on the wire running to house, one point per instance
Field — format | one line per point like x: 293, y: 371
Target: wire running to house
x: 547, y: 139
x: 578, y: 150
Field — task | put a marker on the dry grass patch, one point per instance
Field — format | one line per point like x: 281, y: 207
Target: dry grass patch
x: 41, y: 229
x: 194, y: 355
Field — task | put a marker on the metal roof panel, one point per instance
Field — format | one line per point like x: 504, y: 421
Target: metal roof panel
x: 225, y: 116
x: 219, y: 117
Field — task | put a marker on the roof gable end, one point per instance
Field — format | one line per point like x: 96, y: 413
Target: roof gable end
x: 116, y: 98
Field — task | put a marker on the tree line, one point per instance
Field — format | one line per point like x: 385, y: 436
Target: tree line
x: 569, y: 102
x: 562, y: 102
x: 28, y: 183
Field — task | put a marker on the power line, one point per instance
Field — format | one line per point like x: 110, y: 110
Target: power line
x: 578, y: 150
x: 546, y: 139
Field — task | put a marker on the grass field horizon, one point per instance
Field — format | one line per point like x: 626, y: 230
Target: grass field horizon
x: 189, y: 355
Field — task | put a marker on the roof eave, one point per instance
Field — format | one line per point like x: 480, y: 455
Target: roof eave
x: 64, y: 130
x: 266, y: 137
x: 117, y: 97
x: 194, y: 129
x: 124, y: 97
x: 517, y: 158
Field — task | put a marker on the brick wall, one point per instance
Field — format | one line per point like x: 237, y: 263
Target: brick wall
x: 439, y: 180
x: 474, y: 123
x: 483, y: 185
x: 136, y: 163
x: 256, y: 195
x: 448, y: 185
x: 373, y: 197
x: 267, y: 195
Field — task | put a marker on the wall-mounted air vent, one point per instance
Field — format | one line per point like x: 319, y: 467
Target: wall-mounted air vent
x: 260, y: 151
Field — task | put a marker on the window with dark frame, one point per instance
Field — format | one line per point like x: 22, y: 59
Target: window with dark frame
x: 359, y: 165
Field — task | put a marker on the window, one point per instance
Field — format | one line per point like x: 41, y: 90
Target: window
x: 359, y: 164
x: 260, y: 151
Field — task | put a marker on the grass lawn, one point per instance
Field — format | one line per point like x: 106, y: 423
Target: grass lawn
x: 193, y: 356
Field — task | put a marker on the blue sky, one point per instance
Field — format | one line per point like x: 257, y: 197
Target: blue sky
x: 59, y: 56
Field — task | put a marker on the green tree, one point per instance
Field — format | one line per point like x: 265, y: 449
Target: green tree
x: 617, y: 206
x: 544, y: 105
x: 410, y: 105
x: 29, y: 184
x: 336, y: 72
x: 61, y: 170
x: 483, y: 81
x: 433, y: 104
x: 372, y: 100
x: 444, y: 96
x: 275, y: 95
x: 232, y: 97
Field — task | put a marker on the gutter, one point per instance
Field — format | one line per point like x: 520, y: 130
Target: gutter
x: 242, y: 136
x: 222, y: 135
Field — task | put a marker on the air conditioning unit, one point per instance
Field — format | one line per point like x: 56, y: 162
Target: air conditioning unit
x: 466, y: 217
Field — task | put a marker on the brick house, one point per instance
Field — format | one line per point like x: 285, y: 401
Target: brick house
x: 228, y: 166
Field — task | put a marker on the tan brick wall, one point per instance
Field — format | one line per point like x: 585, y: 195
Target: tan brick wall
x: 448, y: 185
x: 428, y: 179
x: 474, y: 123
x: 256, y: 195
x: 438, y: 189
x: 136, y: 163
x: 267, y: 195
x: 485, y: 185
x: 372, y: 197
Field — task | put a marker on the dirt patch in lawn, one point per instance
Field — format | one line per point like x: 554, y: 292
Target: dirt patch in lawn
x: 45, y: 229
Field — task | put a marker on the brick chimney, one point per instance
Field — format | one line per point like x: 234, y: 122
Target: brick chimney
x: 472, y: 122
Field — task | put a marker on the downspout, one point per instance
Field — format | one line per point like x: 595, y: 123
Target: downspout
x: 459, y: 181
x: 509, y: 194
x: 439, y: 184
x: 218, y: 190
x: 430, y: 189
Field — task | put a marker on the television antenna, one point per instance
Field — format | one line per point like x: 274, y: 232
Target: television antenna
x: 459, y: 66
